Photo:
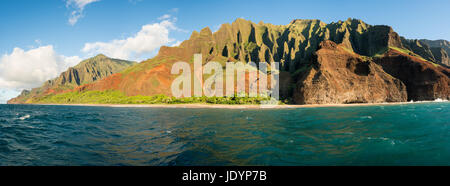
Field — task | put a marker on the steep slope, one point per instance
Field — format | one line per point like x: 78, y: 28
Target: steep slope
x: 444, y: 44
x: 424, y: 80
x: 440, y: 50
x: 441, y: 56
x: 85, y: 72
x: 293, y: 45
x: 435, y: 51
x: 338, y: 76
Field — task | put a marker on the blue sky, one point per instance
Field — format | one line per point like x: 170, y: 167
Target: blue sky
x: 31, y: 29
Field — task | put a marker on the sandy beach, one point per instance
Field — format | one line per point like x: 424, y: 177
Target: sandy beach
x: 223, y: 106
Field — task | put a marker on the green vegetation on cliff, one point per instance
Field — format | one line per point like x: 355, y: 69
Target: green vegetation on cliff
x: 433, y: 51
x: 87, y: 71
x: 116, y: 97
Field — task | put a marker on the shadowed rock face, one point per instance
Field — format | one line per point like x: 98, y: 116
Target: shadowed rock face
x: 435, y: 51
x: 380, y: 37
x: 440, y: 50
x: 424, y: 81
x: 441, y: 56
x: 419, y: 48
x: 337, y: 76
x: 444, y: 44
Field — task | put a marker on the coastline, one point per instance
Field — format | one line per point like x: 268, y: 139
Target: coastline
x: 223, y: 106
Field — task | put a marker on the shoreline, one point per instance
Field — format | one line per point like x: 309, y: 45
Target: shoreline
x: 223, y: 106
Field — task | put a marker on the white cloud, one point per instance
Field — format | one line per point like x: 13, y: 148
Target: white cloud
x: 77, y: 7
x: 81, y: 3
x: 177, y: 43
x: 150, y: 38
x: 165, y: 16
x: 28, y: 69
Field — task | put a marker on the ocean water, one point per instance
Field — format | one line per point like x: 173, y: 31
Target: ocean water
x: 407, y: 134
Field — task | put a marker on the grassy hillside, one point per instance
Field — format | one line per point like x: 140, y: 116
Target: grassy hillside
x: 116, y: 97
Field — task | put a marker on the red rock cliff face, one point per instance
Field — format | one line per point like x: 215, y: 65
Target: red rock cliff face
x: 338, y: 76
x: 314, y: 69
x: 424, y: 80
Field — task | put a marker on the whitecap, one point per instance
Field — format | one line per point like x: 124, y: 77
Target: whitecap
x: 366, y: 117
x: 25, y: 117
x: 440, y: 100
x: 378, y: 138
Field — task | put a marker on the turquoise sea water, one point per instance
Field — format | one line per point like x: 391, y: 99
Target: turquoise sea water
x: 408, y: 134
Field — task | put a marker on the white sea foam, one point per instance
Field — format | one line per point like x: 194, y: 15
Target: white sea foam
x: 366, y: 117
x: 378, y: 138
x: 392, y: 141
x: 25, y: 117
x: 440, y: 100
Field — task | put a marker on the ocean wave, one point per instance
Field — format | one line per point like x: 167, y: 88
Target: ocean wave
x: 378, y: 138
x: 391, y: 141
x: 25, y: 117
x: 366, y: 117
x: 438, y: 100
x: 155, y: 137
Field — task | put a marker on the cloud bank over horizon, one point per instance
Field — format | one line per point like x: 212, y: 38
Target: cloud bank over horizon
x: 28, y: 69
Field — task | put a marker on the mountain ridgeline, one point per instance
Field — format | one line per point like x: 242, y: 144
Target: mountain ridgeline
x: 90, y: 70
x: 435, y: 51
x: 341, y: 62
x: 87, y: 71
x: 292, y: 44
